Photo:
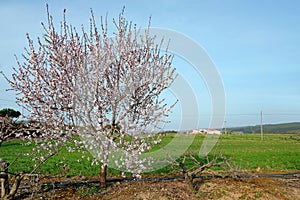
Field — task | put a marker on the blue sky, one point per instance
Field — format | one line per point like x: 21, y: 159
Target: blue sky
x: 255, y: 46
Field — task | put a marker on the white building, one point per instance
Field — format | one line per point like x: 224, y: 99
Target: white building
x: 205, y: 131
x: 214, y: 131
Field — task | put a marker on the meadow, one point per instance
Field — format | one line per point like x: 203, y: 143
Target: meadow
x: 275, y: 152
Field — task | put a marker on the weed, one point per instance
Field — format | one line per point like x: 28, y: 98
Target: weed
x: 89, y: 190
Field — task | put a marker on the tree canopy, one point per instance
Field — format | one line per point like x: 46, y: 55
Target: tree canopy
x: 8, y: 112
x: 103, y: 88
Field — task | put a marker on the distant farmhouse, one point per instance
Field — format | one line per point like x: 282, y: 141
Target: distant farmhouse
x: 214, y: 131
x: 205, y: 131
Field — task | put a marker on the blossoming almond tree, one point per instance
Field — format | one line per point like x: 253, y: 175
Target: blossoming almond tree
x: 105, y: 88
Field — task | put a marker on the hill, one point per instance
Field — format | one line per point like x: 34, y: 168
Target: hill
x: 293, y: 127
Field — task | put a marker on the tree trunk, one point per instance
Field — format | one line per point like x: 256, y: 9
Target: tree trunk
x: 4, y: 178
x: 4, y: 185
x: 103, y: 175
x: 14, y: 188
x: 6, y: 193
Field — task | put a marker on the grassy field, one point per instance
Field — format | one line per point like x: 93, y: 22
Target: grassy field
x: 274, y: 152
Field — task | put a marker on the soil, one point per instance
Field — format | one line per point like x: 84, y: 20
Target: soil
x: 214, y: 188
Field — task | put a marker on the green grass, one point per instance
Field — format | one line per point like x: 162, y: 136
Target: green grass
x: 73, y: 161
x: 275, y: 152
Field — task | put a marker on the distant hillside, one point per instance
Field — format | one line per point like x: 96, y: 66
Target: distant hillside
x: 293, y: 127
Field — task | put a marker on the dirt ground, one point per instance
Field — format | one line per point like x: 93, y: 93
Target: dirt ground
x: 215, y: 188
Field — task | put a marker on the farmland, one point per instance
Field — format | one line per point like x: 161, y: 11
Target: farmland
x: 248, y: 152
x: 276, y: 153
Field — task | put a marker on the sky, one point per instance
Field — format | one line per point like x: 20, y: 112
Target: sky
x: 254, y: 45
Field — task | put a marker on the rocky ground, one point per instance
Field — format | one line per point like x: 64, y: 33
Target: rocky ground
x: 215, y: 188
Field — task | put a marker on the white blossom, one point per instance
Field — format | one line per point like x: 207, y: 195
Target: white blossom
x: 102, y: 89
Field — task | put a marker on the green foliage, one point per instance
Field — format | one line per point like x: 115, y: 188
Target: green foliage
x: 8, y: 112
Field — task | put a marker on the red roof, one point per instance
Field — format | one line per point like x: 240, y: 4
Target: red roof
x: 4, y: 118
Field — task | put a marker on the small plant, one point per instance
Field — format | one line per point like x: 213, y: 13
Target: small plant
x: 89, y: 190
x: 258, y: 195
